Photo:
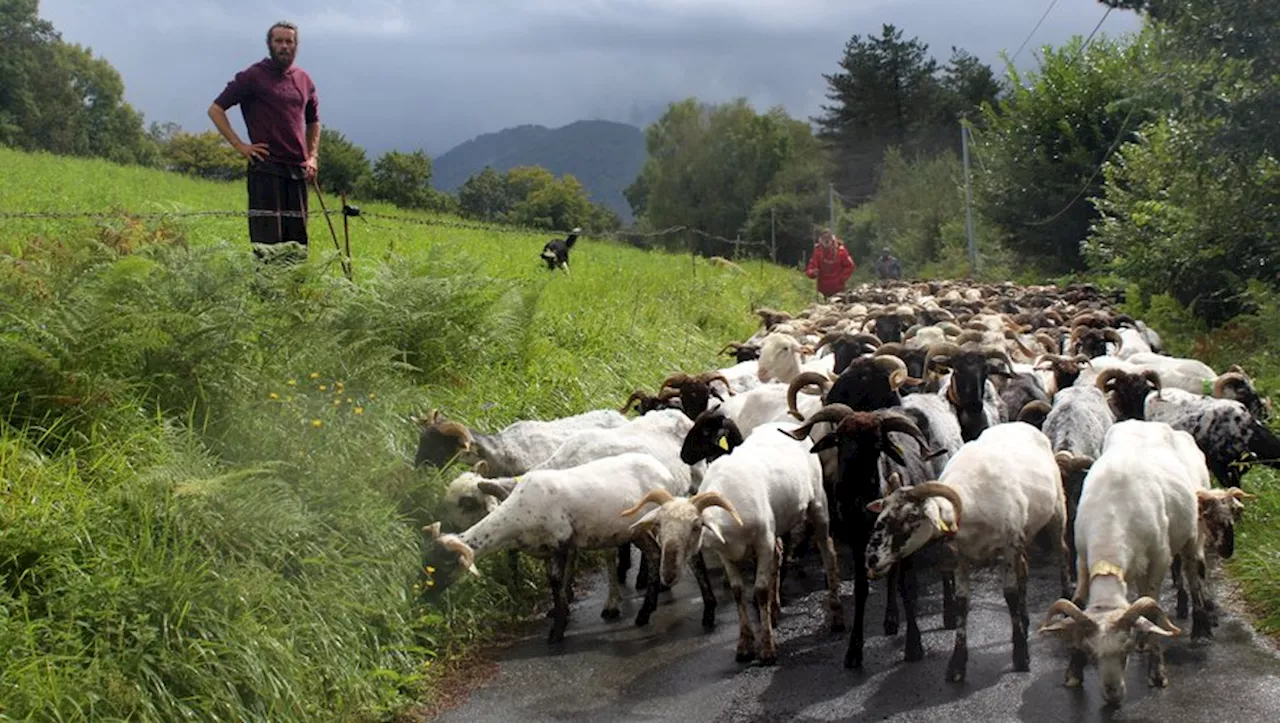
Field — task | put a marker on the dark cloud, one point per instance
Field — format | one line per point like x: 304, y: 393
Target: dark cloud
x: 406, y: 74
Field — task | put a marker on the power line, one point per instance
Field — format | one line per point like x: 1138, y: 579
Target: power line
x: 1090, y: 38
x: 1119, y: 139
x: 1033, y: 30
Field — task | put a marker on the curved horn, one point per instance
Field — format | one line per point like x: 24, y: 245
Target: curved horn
x: 890, y: 349
x: 1002, y: 355
x: 716, y: 376
x: 801, y: 382
x: 713, y: 498
x: 970, y: 336
x: 1068, y: 608
x: 1105, y: 377
x: 894, y: 422
x: 1076, y: 331
x: 1233, y: 378
x: 832, y: 337
x: 945, y: 349
x: 895, y: 368
x: 1034, y: 411
x: 658, y: 496
x: 458, y: 432
x: 831, y: 414
x: 870, y: 340
x: 465, y: 554
x: 922, y: 492
x: 1146, y: 606
x: 677, y: 380
x: 638, y: 395
x: 1153, y: 378
x: 1113, y: 336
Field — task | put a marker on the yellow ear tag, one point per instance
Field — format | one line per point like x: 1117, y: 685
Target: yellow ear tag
x: 724, y: 443
x: 945, y: 527
x: 517, y: 479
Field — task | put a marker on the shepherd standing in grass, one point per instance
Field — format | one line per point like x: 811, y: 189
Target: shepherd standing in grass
x: 830, y: 264
x: 281, y: 113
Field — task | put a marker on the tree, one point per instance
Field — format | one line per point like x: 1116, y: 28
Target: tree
x: 485, y: 195
x: 1041, y: 148
x: 707, y: 166
x: 205, y: 155
x: 58, y: 97
x: 403, y: 179
x: 1191, y: 208
x: 344, y: 167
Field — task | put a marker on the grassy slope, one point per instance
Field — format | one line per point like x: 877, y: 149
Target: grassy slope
x: 253, y: 565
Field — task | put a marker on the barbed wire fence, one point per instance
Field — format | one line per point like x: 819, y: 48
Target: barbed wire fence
x: 734, y: 248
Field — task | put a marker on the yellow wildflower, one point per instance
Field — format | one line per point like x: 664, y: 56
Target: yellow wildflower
x: 323, y: 388
x: 336, y: 402
x: 372, y: 395
x: 314, y: 375
x: 292, y: 382
x: 273, y: 395
x: 431, y: 583
x: 350, y: 400
x: 431, y: 570
x: 317, y: 423
x: 358, y: 410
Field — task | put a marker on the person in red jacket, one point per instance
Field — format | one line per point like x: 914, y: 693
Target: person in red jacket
x: 830, y: 264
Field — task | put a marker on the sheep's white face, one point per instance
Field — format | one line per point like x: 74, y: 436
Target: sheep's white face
x: 465, y: 504
x: 680, y: 531
x: 779, y: 358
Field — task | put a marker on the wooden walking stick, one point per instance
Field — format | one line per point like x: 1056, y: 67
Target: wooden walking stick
x: 346, y: 260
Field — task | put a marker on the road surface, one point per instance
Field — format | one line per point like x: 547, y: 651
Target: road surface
x: 674, y: 671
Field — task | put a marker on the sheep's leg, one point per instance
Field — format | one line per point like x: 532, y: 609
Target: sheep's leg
x: 571, y: 571
x: 949, y: 599
x: 704, y: 587
x: 746, y: 639
x: 960, y: 654
x: 513, y: 565
x: 651, y: 554
x: 624, y: 562
x: 1201, y: 622
x: 612, y: 606
x: 909, y: 590
x: 1015, y: 596
x: 891, y: 583
x: 1065, y: 554
x: 1075, y: 668
x: 1082, y: 583
x: 556, y: 576
x: 765, y: 594
x: 1175, y: 571
x: 831, y: 566
x: 775, y: 579
x: 642, y: 572
x: 853, y: 655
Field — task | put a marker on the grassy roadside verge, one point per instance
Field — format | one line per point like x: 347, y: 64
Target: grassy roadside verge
x: 207, y: 506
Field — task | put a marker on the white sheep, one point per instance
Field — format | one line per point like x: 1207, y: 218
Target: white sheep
x: 1191, y: 375
x: 995, y: 495
x: 510, y: 452
x: 782, y: 358
x: 1138, y: 511
x: 553, y: 513
x: 748, y: 500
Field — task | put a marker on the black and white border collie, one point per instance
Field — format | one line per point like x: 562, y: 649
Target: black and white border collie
x: 556, y: 251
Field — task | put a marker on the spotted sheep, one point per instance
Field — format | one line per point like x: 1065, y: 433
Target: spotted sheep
x: 1138, y: 511
x: 1228, y: 435
x: 996, y: 494
x: 552, y: 514
x: 749, y: 497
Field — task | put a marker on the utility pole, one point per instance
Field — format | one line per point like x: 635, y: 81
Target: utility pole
x: 831, y: 204
x: 773, y: 235
x: 968, y: 200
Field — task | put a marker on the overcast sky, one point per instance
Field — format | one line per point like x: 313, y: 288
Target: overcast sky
x: 432, y: 73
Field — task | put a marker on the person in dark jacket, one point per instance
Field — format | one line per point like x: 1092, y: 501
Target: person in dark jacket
x: 887, y: 266
x: 830, y: 264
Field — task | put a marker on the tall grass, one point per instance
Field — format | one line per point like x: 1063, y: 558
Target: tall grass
x: 207, y: 504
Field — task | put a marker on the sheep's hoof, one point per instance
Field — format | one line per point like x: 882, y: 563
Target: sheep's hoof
x: 1021, y: 661
x: 744, y: 656
x: 1159, y: 681
x: 708, y: 618
x: 1201, y: 626
x: 1073, y: 682
x: 853, y: 660
x: 642, y: 619
x: 614, y: 614
x: 915, y: 651
x: 556, y: 636
x: 890, y: 627
x: 770, y: 658
x: 955, y: 675
x: 837, y: 623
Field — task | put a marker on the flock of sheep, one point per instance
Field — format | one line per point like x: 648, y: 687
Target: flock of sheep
x: 928, y: 428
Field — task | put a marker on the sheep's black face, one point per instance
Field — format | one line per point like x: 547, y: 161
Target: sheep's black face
x: 889, y: 328
x: 863, y: 387
x: 1092, y: 344
x: 440, y: 568
x: 968, y: 387
x: 713, y: 435
x: 694, y: 399
x: 436, y: 448
x: 1129, y: 396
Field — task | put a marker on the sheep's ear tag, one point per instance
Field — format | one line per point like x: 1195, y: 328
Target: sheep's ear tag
x: 946, y: 527
x: 723, y: 443
x: 518, y: 479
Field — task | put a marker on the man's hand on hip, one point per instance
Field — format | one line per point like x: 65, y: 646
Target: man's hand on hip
x: 254, y: 152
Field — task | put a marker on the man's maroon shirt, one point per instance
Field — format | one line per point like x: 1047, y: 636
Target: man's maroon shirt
x: 277, y: 107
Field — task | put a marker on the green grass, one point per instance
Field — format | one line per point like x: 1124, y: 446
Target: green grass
x: 207, y: 504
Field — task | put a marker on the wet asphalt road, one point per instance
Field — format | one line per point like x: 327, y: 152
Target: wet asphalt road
x: 674, y: 671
